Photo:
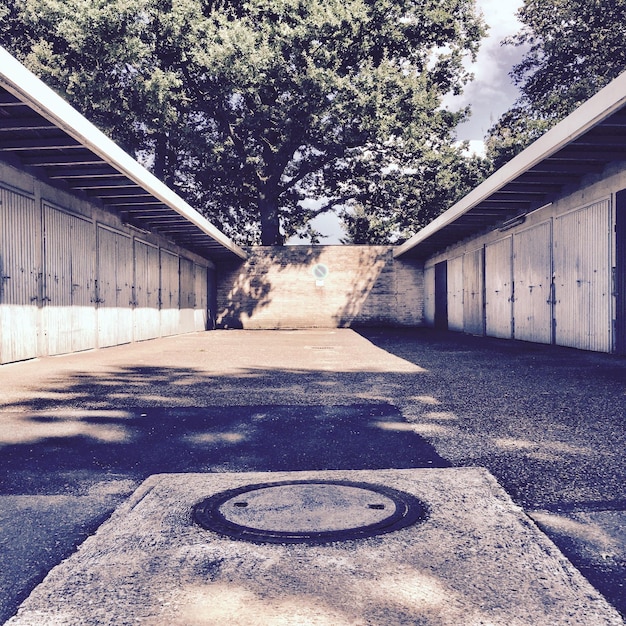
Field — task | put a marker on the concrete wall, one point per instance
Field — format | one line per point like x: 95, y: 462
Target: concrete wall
x: 74, y: 277
x: 320, y: 286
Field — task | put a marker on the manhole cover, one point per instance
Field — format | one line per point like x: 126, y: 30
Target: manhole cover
x: 308, y: 511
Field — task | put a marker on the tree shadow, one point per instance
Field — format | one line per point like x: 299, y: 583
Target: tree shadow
x: 546, y: 421
x: 245, y: 288
x: 122, y: 433
x: 136, y: 442
x: 71, y: 454
x: 319, y: 286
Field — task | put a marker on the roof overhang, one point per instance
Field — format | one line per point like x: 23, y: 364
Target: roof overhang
x: 39, y: 130
x: 585, y: 142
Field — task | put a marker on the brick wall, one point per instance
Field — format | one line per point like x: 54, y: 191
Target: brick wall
x: 320, y: 286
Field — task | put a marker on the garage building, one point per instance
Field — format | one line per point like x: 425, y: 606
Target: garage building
x: 94, y: 250
x: 537, y: 252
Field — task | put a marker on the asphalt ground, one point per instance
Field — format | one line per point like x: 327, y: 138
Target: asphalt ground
x: 79, y: 433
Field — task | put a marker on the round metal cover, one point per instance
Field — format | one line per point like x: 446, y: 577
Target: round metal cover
x: 308, y: 511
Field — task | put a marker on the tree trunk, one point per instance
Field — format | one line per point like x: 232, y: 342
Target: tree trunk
x: 270, y: 222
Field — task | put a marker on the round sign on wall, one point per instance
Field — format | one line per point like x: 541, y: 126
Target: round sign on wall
x: 320, y: 273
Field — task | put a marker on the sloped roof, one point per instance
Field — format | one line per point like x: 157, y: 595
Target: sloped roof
x: 40, y: 130
x: 585, y: 142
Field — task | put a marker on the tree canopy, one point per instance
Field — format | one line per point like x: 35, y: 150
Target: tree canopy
x: 266, y: 113
x: 574, y: 48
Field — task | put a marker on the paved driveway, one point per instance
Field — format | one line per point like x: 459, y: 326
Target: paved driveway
x: 80, y: 432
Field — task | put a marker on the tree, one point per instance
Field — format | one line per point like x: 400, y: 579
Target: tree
x: 392, y: 203
x: 575, y: 47
x: 314, y: 100
x: 252, y: 108
x: 111, y: 59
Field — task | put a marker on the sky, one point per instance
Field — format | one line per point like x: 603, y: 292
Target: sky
x: 492, y: 92
x: 489, y: 95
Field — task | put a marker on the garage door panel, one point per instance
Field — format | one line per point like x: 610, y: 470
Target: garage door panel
x: 473, y: 292
x: 582, y: 270
x: 532, y: 275
x: 146, y: 313
x: 70, y: 272
x: 114, y: 270
x: 455, y: 294
x: 20, y: 276
x: 499, y: 288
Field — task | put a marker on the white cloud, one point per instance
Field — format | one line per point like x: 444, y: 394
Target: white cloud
x: 476, y: 146
x: 492, y: 92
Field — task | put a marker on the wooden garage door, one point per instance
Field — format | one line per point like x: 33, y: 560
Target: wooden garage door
x: 455, y: 294
x: 499, y: 288
x: 69, y: 281
x: 170, y: 293
x: 146, y: 314
x: 201, y: 311
x: 187, y: 296
x: 473, y: 292
x: 114, y: 287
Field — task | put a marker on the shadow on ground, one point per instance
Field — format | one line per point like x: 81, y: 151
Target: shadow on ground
x: 82, y: 448
x: 548, y: 422
x: 63, y: 471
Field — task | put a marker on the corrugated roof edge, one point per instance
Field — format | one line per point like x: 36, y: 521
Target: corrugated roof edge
x: 25, y: 86
x: 600, y: 106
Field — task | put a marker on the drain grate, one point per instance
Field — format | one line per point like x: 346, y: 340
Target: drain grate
x: 308, y: 511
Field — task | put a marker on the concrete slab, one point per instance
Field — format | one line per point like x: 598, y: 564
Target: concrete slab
x: 476, y: 559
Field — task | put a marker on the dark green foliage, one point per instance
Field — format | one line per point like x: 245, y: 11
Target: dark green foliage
x: 574, y: 48
x: 249, y: 109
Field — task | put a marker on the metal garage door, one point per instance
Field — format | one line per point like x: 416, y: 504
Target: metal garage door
x: 146, y: 314
x: 114, y: 287
x: 499, y: 288
x: 473, y: 292
x: 69, y: 281
x: 20, y: 276
x: 170, y: 293
x: 187, y: 296
x: 429, y: 296
x: 582, y: 270
x: 620, y: 272
x: 532, y: 276
x: 455, y: 294
x: 201, y: 306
